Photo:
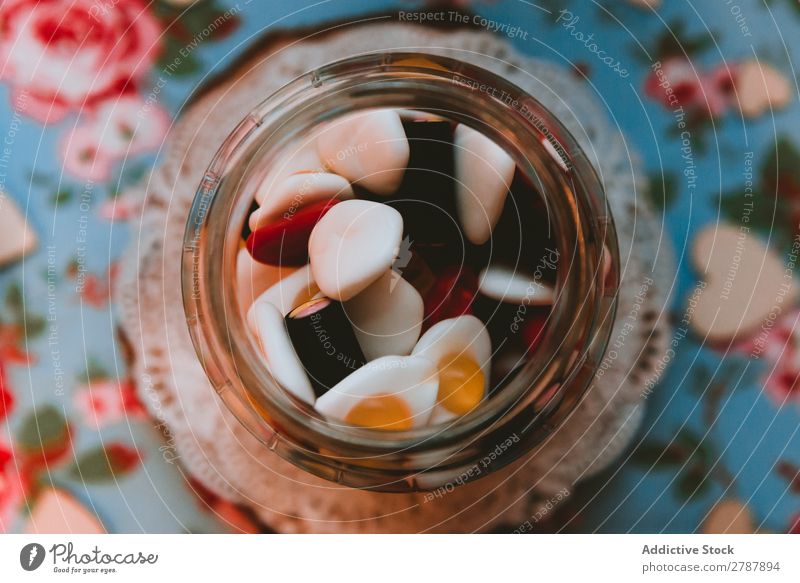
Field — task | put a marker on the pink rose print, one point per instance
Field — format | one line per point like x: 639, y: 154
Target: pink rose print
x: 12, y: 487
x: 96, y: 288
x: 105, y: 402
x: 68, y: 55
x: 784, y: 384
x: 6, y: 396
x: 237, y: 520
x: 118, y: 129
x: 780, y: 349
x: 679, y: 83
x: 751, y: 86
x: 124, y: 207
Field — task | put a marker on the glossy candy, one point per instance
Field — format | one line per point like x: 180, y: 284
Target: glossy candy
x: 387, y: 316
x: 296, y: 192
x: 290, y: 291
x: 509, y: 285
x: 279, y: 354
x: 462, y: 351
x: 426, y: 196
x: 382, y: 411
x: 415, y: 270
x: 443, y: 227
x: 302, y: 158
x: 285, y: 242
x: 368, y: 148
x: 484, y: 172
x: 461, y: 383
x: 325, y: 342
x: 382, y: 383
x: 353, y: 245
x: 452, y: 295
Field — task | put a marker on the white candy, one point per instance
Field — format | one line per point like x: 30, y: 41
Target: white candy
x: 279, y: 355
x: 484, y: 172
x: 456, y: 336
x: 368, y: 147
x: 410, y: 378
x: 304, y: 159
x: 507, y: 285
x: 461, y: 336
x: 353, y: 245
x: 296, y: 191
x: 387, y: 316
x: 254, y: 278
x: 288, y: 293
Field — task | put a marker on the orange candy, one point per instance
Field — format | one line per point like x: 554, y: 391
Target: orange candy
x: 381, y: 412
x: 461, y: 383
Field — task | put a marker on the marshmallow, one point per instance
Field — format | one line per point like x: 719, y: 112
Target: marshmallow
x: 462, y: 351
x: 367, y: 147
x: 302, y: 159
x: 387, y: 316
x: 281, y: 359
x: 508, y: 285
x: 353, y: 245
x: 390, y: 393
x: 289, y: 292
x: 484, y: 172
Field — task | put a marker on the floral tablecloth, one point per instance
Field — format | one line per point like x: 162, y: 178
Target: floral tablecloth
x: 705, y: 91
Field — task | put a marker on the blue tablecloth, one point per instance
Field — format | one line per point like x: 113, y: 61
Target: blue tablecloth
x: 720, y: 426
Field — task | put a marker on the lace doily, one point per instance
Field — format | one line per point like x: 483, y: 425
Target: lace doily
x: 221, y: 454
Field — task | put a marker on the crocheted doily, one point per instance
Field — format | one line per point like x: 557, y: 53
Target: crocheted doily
x: 219, y: 452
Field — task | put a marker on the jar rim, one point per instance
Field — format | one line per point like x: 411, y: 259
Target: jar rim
x: 542, y: 147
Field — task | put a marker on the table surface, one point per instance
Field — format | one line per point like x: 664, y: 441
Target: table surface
x: 721, y: 426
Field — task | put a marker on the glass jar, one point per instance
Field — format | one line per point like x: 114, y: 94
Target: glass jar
x: 544, y: 391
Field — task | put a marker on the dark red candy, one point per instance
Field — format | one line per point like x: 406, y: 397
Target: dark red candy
x: 451, y: 296
x: 285, y: 241
x: 415, y: 270
x: 533, y: 329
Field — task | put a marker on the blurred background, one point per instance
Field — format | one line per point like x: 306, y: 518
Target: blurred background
x: 720, y: 440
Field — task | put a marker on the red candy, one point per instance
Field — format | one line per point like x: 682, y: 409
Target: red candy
x: 285, y: 241
x: 451, y: 296
x: 533, y: 328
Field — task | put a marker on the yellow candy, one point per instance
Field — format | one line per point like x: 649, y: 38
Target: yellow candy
x: 381, y: 412
x: 461, y: 384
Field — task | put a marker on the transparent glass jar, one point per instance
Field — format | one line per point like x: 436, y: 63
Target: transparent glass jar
x: 544, y: 391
